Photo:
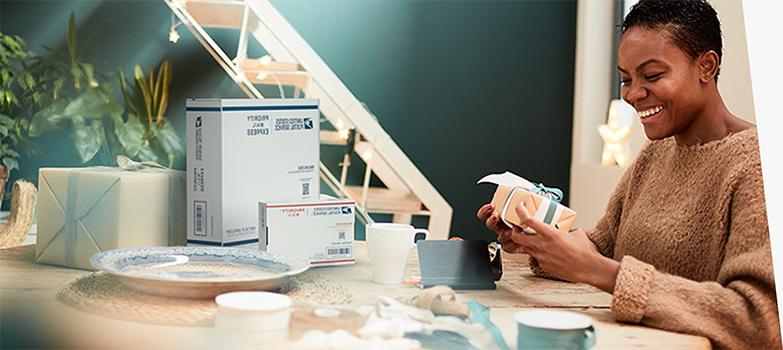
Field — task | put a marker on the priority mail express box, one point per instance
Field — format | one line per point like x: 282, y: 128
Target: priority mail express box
x: 241, y: 151
x: 321, y: 231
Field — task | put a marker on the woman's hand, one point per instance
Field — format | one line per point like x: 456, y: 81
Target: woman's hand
x: 570, y: 256
x: 492, y: 220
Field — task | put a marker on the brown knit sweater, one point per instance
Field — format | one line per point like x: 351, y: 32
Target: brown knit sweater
x: 689, y: 227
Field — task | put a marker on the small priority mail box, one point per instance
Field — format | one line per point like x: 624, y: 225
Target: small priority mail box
x: 241, y: 151
x: 321, y: 231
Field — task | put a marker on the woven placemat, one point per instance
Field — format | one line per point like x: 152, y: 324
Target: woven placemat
x: 103, y: 294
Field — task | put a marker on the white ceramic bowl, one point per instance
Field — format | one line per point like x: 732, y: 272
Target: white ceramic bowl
x: 259, y: 311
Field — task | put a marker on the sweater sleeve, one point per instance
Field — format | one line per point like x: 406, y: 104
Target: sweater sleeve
x: 738, y: 310
x: 605, y: 231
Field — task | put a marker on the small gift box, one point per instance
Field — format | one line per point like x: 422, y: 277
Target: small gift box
x: 542, y: 202
x: 84, y: 211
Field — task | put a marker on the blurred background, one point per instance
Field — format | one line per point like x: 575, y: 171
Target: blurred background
x: 465, y: 88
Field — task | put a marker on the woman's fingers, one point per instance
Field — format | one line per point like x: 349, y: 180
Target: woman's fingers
x: 512, y: 248
x: 538, y: 226
x: 485, y: 211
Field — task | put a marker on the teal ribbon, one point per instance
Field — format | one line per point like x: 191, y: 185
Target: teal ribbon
x: 550, y: 212
x: 69, y: 227
x: 479, y: 314
x: 552, y: 193
x: 176, y: 203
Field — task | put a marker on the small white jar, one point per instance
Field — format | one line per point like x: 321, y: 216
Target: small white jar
x: 253, y: 317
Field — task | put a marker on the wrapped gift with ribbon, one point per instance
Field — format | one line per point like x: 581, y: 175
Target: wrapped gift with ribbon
x: 540, y: 201
x: 84, y: 211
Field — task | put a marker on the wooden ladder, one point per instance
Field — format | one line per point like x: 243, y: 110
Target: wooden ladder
x: 290, y: 61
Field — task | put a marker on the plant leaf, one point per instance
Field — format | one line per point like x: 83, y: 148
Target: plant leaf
x: 58, y: 86
x: 126, y: 96
x: 90, y: 104
x: 48, y: 118
x: 145, y: 93
x: 129, y: 133
x: 4, y: 119
x: 156, y: 90
x: 76, y: 73
x: 72, y: 38
x: 10, y: 163
x: 87, y: 139
x: 168, y: 138
x: 147, y: 154
x: 164, y: 101
x: 89, y: 71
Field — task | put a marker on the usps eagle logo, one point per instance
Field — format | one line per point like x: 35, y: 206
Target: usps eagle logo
x: 346, y: 210
x: 308, y: 123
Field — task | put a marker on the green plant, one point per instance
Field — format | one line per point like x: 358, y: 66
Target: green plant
x: 81, y: 102
x: 146, y: 133
x: 20, y: 93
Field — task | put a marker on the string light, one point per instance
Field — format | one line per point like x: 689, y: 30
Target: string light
x: 616, y: 134
x: 173, y: 34
x: 265, y: 60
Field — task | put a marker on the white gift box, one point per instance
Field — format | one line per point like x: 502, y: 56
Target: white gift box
x: 241, y: 151
x: 84, y: 211
x: 321, y: 231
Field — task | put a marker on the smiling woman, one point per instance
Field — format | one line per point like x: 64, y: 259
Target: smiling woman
x: 684, y: 243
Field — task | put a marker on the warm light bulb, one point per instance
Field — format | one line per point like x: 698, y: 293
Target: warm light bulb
x: 262, y: 75
x: 367, y: 155
x: 265, y: 60
x: 173, y: 35
x: 343, y: 133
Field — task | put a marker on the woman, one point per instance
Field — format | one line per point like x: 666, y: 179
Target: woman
x: 684, y: 243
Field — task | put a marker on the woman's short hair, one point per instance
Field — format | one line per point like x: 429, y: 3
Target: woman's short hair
x: 692, y: 25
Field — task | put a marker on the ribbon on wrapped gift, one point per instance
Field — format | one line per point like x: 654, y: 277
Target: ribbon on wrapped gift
x: 540, y: 201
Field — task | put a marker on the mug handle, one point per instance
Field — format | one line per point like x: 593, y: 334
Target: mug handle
x: 589, y: 340
x: 420, y: 234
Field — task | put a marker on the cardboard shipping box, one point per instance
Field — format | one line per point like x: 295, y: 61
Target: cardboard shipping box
x: 241, y: 151
x: 84, y: 211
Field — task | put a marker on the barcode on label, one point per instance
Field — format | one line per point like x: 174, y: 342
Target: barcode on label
x: 306, y: 189
x: 199, y: 218
x: 343, y: 251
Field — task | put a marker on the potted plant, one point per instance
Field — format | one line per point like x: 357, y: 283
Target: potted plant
x: 98, y: 125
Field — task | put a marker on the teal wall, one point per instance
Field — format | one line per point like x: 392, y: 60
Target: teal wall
x: 464, y: 87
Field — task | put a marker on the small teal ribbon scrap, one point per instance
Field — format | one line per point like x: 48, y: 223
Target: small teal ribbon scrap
x: 479, y: 314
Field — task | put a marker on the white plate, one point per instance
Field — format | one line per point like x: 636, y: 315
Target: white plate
x: 197, y: 272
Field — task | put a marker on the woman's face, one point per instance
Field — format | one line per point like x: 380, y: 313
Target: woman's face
x: 660, y: 80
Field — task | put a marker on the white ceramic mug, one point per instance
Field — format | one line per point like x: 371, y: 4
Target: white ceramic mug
x: 549, y: 329
x: 388, y: 246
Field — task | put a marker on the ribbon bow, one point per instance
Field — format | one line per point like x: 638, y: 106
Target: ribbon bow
x: 552, y: 193
x: 126, y: 163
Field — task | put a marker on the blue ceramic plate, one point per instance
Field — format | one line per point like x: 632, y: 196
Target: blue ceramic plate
x: 197, y: 272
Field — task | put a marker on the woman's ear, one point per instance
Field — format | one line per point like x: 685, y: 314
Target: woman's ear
x: 709, y: 62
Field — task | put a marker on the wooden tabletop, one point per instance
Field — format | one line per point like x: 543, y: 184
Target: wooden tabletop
x: 31, y: 315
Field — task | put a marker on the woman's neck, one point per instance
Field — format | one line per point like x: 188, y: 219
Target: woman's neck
x: 715, y: 122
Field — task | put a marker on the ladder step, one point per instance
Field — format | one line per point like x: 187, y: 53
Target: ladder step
x: 384, y: 200
x: 332, y: 138
x: 217, y: 14
x: 298, y: 79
